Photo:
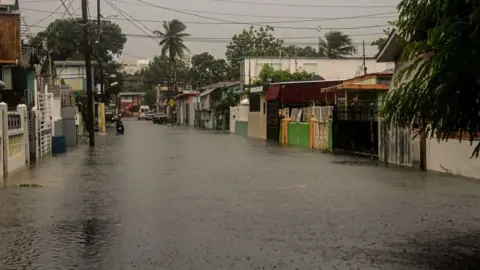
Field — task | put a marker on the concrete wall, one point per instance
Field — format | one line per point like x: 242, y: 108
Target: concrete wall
x: 238, y: 113
x: 330, y: 69
x: 257, y: 122
x: 452, y: 157
x: 15, y: 141
x: 241, y: 128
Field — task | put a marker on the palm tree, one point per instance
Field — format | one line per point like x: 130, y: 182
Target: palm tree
x: 172, y: 42
x: 336, y: 45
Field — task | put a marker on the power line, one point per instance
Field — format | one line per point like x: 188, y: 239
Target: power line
x: 229, y: 38
x: 301, y: 5
x: 306, y: 19
x: 261, y: 25
x: 124, y: 14
x: 46, y: 17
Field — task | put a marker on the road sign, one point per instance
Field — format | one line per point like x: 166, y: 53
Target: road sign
x: 171, y: 102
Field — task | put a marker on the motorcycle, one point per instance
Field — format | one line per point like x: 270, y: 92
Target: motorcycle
x: 120, y: 128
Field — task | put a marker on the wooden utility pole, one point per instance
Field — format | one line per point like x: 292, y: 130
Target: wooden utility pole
x: 88, y: 66
x: 100, y: 64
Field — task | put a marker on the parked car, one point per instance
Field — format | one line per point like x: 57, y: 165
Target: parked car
x: 160, y: 118
x: 149, y: 116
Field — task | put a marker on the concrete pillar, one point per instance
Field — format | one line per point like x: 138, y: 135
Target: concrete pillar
x: 4, y: 128
x: 22, y: 110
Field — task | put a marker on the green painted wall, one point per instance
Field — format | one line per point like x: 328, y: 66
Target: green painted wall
x: 241, y: 128
x: 299, y: 134
x: 330, y: 135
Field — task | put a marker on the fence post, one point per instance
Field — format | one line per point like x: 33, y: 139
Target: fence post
x: 36, y: 130
x: 334, y: 126
x: 372, y: 140
x: 22, y: 110
x: 4, y: 124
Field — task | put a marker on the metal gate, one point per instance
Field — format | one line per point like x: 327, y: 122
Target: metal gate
x: 355, y: 129
x: 44, y: 124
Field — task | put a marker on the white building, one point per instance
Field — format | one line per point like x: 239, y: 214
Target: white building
x: 130, y: 67
x: 73, y: 73
x: 329, y: 69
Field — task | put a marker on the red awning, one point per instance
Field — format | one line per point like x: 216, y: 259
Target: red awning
x: 294, y: 93
x: 273, y: 92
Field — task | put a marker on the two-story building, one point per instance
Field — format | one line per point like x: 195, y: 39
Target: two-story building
x: 328, y: 69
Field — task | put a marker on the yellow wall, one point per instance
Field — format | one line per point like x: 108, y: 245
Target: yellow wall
x: 257, y: 122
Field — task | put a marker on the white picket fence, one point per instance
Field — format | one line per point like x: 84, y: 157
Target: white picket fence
x: 14, y: 138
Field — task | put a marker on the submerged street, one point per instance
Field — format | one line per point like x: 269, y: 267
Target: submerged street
x: 178, y: 198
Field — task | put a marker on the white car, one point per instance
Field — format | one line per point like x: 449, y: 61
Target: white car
x: 142, y: 112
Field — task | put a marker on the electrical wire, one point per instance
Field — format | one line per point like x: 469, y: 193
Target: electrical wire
x: 300, y: 5
x: 366, y: 16
x: 124, y: 14
x: 229, y: 38
x: 261, y: 25
x: 44, y: 18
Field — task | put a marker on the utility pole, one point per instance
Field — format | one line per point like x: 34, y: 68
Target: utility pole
x: 364, y: 64
x: 88, y: 65
x: 100, y: 64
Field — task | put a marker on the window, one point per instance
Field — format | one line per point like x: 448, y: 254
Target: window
x: 254, y: 103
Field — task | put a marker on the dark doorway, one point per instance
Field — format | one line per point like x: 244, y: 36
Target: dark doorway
x: 273, y: 120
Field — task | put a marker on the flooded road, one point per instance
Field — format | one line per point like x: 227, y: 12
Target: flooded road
x: 177, y: 198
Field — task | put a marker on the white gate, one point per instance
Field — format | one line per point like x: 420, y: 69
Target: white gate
x: 44, y: 124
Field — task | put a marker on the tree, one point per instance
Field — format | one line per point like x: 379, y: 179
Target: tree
x: 172, y: 42
x: 150, y: 97
x: 380, y: 42
x: 439, y: 87
x: 64, y: 39
x: 269, y: 74
x: 297, y: 51
x: 336, y: 45
x: 207, y: 70
x: 251, y: 42
x: 157, y: 72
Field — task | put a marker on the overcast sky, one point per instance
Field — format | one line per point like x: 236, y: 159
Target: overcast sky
x: 199, y: 27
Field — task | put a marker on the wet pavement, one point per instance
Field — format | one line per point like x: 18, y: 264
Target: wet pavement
x: 177, y: 198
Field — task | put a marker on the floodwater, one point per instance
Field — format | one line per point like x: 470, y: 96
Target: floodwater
x: 177, y: 198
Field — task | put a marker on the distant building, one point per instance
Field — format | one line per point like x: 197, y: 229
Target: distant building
x: 328, y: 69
x: 73, y: 73
x: 131, y: 67
x: 128, y: 102
x: 188, y: 61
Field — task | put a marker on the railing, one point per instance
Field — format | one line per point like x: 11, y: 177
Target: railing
x: 14, y: 120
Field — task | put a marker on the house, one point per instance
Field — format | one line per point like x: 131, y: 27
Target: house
x: 73, y: 73
x: 129, y: 103
x: 206, y: 105
x: 328, y: 69
x: 185, y: 107
x: 403, y: 146
x: 363, y: 90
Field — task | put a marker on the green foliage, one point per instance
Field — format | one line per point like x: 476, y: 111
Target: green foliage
x: 65, y: 39
x: 269, y: 73
x: 172, y: 42
x: 229, y: 99
x: 380, y: 42
x: 207, y: 70
x: 158, y: 72
x: 150, y: 97
x: 442, y: 55
x: 172, y: 39
x: 336, y: 45
x: 251, y: 42
x: 262, y: 42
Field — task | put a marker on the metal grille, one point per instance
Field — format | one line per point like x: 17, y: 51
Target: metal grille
x: 44, y: 124
x: 14, y: 120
